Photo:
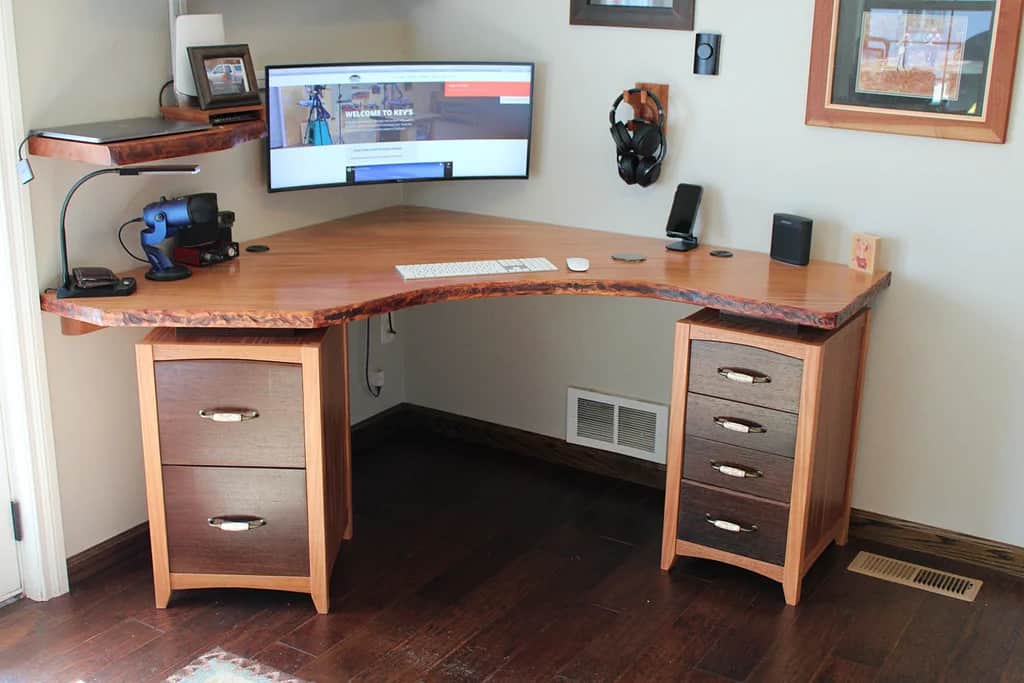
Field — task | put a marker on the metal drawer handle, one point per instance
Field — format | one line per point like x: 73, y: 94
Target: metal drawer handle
x: 738, y: 471
x: 229, y: 414
x: 236, y: 523
x: 731, y: 527
x: 744, y: 376
x: 734, y: 424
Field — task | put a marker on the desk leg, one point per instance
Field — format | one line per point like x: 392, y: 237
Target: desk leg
x: 843, y: 537
x: 154, y: 474
x: 346, y: 446
x: 676, y: 430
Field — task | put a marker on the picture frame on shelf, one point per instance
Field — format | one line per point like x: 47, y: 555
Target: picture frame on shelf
x: 934, y: 68
x: 224, y: 76
x: 676, y: 15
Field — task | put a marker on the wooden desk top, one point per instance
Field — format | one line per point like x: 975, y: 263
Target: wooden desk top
x: 345, y: 270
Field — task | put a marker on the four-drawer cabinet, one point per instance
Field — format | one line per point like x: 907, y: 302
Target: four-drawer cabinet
x: 245, y: 442
x: 762, y: 441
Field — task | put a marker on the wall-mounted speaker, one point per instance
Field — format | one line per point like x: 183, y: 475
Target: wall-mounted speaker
x: 706, y: 54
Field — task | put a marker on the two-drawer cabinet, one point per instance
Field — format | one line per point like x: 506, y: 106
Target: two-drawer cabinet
x: 246, y: 452
x: 762, y: 443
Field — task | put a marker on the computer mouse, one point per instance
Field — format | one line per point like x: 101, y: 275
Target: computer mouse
x: 577, y: 264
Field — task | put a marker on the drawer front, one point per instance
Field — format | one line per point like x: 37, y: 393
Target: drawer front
x: 764, y: 524
x: 738, y: 469
x: 740, y: 424
x: 271, y: 501
x: 264, y: 399
x: 744, y: 373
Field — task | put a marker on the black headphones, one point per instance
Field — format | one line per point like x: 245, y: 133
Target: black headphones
x: 640, y: 152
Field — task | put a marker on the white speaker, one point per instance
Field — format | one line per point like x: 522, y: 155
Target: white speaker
x: 191, y: 30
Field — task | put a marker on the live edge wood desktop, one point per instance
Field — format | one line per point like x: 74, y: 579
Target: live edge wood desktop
x: 788, y: 491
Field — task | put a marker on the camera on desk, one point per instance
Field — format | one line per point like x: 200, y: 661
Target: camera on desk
x: 207, y: 244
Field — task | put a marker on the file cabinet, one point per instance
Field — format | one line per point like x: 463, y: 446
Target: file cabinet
x: 246, y: 450
x: 762, y: 443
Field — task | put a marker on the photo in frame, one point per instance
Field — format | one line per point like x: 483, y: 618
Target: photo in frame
x: 864, y: 252
x: 666, y: 14
x: 938, y: 68
x: 224, y: 76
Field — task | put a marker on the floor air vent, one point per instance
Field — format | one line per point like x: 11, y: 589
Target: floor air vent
x: 916, y: 576
x: 617, y: 424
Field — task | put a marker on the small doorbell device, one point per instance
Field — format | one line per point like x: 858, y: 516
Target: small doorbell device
x: 791, y: 239
x: 706, y: 54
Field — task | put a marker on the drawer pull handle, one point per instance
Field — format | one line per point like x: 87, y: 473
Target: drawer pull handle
x: 741, y: 426
x: 737, y: 471
x: 731, y: 527
x: 237, y: 523
x: 229, y: 414
x: 744, y: 376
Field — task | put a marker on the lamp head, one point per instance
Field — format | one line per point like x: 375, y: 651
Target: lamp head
x: 166, y: 169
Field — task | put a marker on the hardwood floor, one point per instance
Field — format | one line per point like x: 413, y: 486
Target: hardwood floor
x: 470, y: 565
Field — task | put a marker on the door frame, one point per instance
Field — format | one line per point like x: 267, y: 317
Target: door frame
x: 24, y: 389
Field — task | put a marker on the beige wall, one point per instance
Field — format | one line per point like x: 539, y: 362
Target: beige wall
x: 944, y: 395
x: 86, y: 60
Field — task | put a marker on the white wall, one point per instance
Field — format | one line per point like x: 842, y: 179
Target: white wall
x: 86, y: 60
x: 939, y: 442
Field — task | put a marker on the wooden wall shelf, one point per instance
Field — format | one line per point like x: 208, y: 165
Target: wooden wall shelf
x: 148, y: 150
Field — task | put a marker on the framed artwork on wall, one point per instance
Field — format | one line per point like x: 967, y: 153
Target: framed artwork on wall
x: 670, y: 14
x: 936, y: 68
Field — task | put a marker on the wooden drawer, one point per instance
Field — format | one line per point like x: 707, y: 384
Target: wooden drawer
x: 725, y: 370
x: 194, y: 495
x: 273, y: 391
x: 738, y: 469
x: 772, y: 431
x: 765, y: 522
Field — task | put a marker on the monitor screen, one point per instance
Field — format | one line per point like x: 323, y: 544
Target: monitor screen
x: 359, y: 124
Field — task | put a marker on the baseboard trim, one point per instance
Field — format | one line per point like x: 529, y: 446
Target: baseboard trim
x: 125, y: 546
x: 410, y: 419
x: 952, y: 545
x: 521, y: 442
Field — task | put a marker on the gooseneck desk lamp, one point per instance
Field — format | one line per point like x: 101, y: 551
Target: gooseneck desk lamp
x: 99, y: 282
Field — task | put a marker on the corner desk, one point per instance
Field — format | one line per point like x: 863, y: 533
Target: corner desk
x: 244, y: 401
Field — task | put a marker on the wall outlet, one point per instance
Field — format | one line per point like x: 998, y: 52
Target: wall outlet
x: 377, y: 379
x: 386, y: 335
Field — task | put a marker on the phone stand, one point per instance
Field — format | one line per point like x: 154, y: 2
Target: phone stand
x: 688, y: 243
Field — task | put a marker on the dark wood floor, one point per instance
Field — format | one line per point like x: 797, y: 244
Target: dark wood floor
x: 472, y: 565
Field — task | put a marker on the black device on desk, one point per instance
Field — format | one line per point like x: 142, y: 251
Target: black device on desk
x: 209, y: 243
x: 683, y: 217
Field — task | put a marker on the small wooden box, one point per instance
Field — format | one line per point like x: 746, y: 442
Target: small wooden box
x: 216, y: 117
x: 247, y: 459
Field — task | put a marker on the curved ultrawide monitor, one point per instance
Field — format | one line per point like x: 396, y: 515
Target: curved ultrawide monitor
x: 361, y: 124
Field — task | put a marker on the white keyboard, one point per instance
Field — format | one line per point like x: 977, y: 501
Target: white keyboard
x: 501, y: 267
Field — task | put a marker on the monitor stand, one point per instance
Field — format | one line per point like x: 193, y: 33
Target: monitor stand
x: 688, y: 243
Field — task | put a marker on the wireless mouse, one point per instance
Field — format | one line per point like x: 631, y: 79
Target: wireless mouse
x: 578, y: 265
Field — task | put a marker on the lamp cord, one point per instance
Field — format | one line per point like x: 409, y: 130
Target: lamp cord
x: 120, y: 238
x: 65, y: 273
x: 163, y: 89
x: 369, y: 387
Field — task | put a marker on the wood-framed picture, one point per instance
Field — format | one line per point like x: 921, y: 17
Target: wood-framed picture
x: 936, y: 68
x: 670, y: 14
x: 224, y: 76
